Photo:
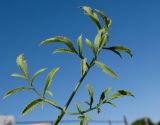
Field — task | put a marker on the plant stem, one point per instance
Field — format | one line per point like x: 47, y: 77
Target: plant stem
x: 53, y: 104
x: 39, y: 94
x: 63, y: 112
x: 81, y: 57
x: 85, y: 111
x: 69, y: 100
x: 33, y: 88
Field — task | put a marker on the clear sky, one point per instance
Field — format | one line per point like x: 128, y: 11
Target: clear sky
x: 136, y: 24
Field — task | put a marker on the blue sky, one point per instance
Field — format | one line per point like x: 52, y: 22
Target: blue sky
x: 24, y: 24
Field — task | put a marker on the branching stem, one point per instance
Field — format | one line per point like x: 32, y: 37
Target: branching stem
x: 85, y: 111
x: 41, y: 96
x: 63, y: 112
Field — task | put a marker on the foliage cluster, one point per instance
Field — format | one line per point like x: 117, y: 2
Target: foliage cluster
x: 100, y: 44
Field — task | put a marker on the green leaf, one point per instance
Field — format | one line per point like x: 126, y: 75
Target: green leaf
x: 106, y: 69
x: 36, y: 74
x: 118, y: 94
x: 63, y: 50
x: 106, y: 20
x: 83, y: 66
x: 79, y: 108
x: 112, y: 104
x: 99, y: 38
x: 118, y: 53
x: 15, y: 90
x: 80, y: 44
x: 89, y: 44
x: 49, y: 93
x: 52, y: 103
x: 89, y: 12
x: 18, y: 75
x: 62, y: 39
x: 91, y: 93
x: 49, y: 79
x: 119, y: 49
x: 90, y: 90
x: 104, y: 40
x: 104, y: 93
x: 21, y: 62
x: 31, y: 106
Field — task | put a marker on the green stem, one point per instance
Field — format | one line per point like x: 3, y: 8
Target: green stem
x: 63, y: 112
x: 42, y: 96
x: 85, y: 111
x: 39, y: 94
x: 69, y: 100
x: 81, y: 57
x: 75, y: 90
x: 33, y: 88
x: 53, y: 104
